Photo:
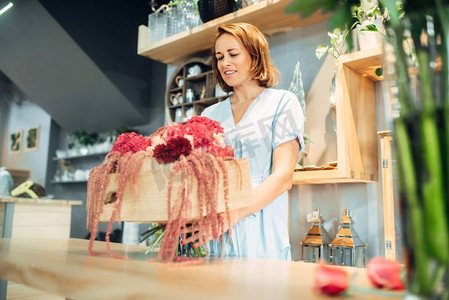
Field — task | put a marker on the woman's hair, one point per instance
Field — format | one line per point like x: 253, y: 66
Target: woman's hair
x: 255, y: 42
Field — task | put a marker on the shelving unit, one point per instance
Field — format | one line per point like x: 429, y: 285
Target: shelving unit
x: 79, y: 159
x: 269, y: 16
x: 356, y: 122
x: 201, y: 85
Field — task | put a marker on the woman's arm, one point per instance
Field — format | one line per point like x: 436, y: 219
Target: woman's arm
x: 280, y: 180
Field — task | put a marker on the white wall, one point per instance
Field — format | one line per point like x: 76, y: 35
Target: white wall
x: 22, y: 117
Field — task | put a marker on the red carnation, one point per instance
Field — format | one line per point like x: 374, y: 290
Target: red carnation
x: 330, y: 280
x: 130, y: 142
x: 211, y: 125
x: 170, y: 152
x: 384, y: 273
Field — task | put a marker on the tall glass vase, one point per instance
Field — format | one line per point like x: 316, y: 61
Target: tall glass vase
x: 421, y: 133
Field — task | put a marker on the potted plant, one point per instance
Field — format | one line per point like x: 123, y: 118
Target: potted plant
x: 366, y: 18
x: 85, y: 140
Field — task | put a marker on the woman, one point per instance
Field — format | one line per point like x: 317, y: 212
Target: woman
x: 264, y: 125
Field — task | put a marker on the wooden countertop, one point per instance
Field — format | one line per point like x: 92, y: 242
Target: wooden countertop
x: 65, y: 267
x: 40, y: 201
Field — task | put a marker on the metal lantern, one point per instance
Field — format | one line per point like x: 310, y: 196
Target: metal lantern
x: 347, y: 249
x: 315, y: 245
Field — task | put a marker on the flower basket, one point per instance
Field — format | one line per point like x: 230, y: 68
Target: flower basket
x: 183, y: 175
x: 145, y: 201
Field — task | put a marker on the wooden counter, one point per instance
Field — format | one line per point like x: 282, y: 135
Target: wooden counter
x: 33, y: 218
x: 38, y: 218
x: 64, y: 267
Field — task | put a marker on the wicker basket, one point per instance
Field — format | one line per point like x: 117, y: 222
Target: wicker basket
x: 212, y: 9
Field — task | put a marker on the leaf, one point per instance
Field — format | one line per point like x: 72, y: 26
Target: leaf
x: 307, y: 7
x: 321, y: 50
x: 342, y: 17
x: 393, y: 11
x: 334, y: 53
x: 379, y: 72
x: 370, y: 27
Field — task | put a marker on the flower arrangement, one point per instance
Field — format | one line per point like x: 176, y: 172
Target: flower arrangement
x: 194, y: 150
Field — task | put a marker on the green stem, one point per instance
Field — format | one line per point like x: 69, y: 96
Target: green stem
x: 443, y: 17
x: 155, y: 243
x: 438, y: 277
x: 432, y: 185
x: 149, y: 233
x: 405, y: 99
x: 421, y: 282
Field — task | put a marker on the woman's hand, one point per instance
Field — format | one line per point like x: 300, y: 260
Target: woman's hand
x: 200, y: 234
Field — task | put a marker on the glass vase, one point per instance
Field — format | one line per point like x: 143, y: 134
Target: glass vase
x: 417, y: 76
x: 157, y: 24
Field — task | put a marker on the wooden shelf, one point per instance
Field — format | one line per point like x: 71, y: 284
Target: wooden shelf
x: 269, y: 16
x: 102, y: 154
x: 324, y: 177
x: 356, y: 122
x: 67, y: 181
x: 364, y: 62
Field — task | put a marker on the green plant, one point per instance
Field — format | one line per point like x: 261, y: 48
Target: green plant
x: 84, y: 138
x: 365, y: 15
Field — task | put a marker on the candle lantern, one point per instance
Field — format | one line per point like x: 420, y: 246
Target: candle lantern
x: 347, y: 249
x: 315, y: 245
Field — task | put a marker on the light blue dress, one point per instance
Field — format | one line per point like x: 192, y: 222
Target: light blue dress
x: 273, y: 118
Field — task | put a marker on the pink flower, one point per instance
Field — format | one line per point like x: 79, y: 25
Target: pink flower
x: 170, y: 152
x: 169, y: 142
x: 211, y: 125
x: 202, y: 135
x: 173, y: 130
x: 130, y: 142
x: 385, y: 273
x: 330, y: 280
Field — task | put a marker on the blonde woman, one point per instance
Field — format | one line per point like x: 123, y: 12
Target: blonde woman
x: 263, y: 124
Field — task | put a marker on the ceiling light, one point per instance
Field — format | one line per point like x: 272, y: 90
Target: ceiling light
x: 6, y: 8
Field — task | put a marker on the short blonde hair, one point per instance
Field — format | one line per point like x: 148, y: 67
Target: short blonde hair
x: 255, y: 42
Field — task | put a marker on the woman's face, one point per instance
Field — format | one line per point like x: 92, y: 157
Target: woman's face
x: 233, y: 61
